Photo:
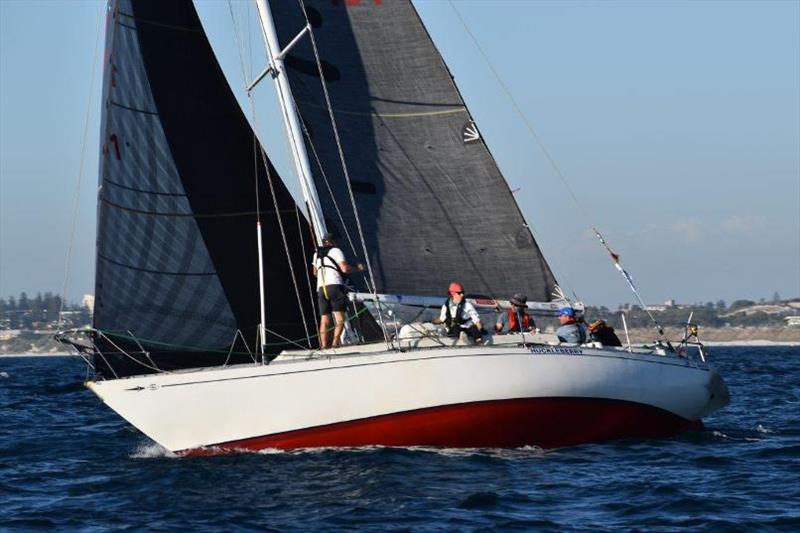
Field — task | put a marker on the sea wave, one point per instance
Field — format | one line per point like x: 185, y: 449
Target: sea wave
x: 67, y: 462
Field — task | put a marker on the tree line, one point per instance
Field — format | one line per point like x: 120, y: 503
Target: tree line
x: 710, y: 314
x: 40, y: 312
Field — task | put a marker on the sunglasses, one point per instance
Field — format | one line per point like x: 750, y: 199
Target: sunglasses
x: 459, y: 292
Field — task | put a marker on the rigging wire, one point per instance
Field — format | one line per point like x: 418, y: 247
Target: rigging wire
x: 552, y: 161
x: 311, y: 297
x: 184, y: 347
x: 265, y: 161
x: 76, y: 200
x: 530, y: 129
x: 239, y: 48
x: 324, y: 85
x: 629, y: 279
x: 262, y: 296
x: 286, y: 247
x: 519, y: 111
x: 327, y: 183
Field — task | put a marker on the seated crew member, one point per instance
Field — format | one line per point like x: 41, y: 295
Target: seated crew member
x: 516, y: 318
x: 570, y: 330
x: 458, y: 315
x: 330, y: 268
x: 603, y: 333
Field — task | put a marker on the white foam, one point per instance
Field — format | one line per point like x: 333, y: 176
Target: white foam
x: 266, y: 451
x: 736, y: 439
x: 324, y: 449
x: 500, y: 453
x: 151, y: 450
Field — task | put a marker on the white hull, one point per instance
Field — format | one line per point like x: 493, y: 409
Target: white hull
x: 351, y: 400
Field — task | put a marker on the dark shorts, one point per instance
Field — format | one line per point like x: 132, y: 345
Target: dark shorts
x: 336, y: 300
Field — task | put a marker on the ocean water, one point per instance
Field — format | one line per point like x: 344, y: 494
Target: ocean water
x: 68, y: 462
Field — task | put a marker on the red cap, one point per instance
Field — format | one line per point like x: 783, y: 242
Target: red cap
x: 455, y: 287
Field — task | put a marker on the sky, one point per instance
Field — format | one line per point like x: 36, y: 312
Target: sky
x: 676, y: 124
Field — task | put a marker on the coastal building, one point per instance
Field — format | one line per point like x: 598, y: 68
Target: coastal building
x: 663, y: 307
x: 792, y: 321
x: 88, y: 302
x: 8, y: 334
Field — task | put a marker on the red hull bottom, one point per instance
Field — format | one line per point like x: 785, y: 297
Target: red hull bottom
x: 543, y: 422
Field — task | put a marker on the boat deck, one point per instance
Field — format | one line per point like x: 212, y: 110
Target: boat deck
x: 432, y: 341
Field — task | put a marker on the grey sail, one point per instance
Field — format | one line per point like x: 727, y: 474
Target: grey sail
x: 432, y: 201
x: 177, y: 264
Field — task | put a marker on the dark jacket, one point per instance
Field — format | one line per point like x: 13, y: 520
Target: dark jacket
x: 605, y: 335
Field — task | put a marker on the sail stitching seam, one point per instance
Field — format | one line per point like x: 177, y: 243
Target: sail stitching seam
x: 455, y: 111
x: 151, y: 271
x: 185, y: 215
x: 143, y: 191
x: 129, y: 108
x: 154, y: 23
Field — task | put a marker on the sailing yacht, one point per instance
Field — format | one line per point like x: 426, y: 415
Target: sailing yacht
x: 204, y: 333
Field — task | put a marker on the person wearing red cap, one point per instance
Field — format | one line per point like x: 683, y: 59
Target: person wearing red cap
x: 458, y: 315
x: 330, y: 268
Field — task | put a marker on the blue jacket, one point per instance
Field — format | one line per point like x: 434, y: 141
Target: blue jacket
x: 574, y: 333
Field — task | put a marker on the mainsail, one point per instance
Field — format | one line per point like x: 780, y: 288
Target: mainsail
x: 177, y: 264
x: 433, y: 205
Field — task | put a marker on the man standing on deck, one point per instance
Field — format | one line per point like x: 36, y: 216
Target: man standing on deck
x: 330, y: 268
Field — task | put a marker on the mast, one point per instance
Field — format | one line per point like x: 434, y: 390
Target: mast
x: 290, y: 115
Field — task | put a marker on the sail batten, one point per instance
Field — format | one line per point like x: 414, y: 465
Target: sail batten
x: 432, y: 202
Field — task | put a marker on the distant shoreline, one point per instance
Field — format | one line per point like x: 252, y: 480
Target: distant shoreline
x: 762, y: 343
x: 45, y: 354
x: 42, y: 344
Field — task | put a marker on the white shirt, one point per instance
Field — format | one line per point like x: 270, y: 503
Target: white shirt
x: 468, y: 312
x: 329, y: 274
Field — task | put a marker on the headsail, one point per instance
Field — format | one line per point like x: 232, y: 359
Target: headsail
x: 433, y: 204
x: 177, y: 265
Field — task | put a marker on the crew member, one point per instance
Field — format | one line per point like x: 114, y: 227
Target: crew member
x: 603, y: 333
x: 570, y: 330
x: 330, y: 268
x: 516, y: 318
x: 458, y: 315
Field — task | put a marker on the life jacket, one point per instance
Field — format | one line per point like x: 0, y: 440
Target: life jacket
x: 453, y: 323
x: 322, y: 253
x: 512, y: 321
